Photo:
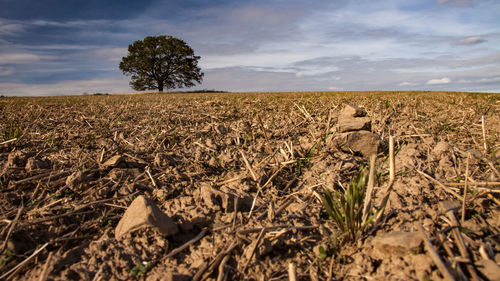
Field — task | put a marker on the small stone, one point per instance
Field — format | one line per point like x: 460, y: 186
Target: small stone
x: 350, y: 110
x: 349, y: 124
x: 141, y: 213
x: 115, y: 161
x: 397, y: 242
x: 364, y: 142
x: 489, y: 269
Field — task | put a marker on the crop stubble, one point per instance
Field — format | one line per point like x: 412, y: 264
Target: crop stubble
x: 243, y: 168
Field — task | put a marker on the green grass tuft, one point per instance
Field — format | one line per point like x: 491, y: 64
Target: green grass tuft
x: 346, y: 209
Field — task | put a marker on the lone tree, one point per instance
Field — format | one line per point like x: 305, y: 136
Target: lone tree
x: 159, y: 62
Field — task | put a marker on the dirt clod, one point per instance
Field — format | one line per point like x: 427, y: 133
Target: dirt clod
x: 363, y: 142
x: 115, y: 161
x: 397, y: 242
x: 489, y: 269
x: 350, y: 110
x: 144, y: 213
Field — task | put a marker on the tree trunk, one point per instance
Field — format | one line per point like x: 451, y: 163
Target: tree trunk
x: 160, y: 86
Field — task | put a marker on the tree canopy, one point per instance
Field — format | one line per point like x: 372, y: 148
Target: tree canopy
x: 161, y: 62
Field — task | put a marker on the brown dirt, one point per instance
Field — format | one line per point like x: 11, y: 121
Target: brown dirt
x: 78, y: 162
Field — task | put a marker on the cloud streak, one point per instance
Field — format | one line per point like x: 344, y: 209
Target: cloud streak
x: 444, y: 80
x: 473, y: 40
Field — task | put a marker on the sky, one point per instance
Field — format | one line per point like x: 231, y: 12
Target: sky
x: 70, y: 47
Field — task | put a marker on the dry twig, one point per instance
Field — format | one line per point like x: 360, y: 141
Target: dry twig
x: 187, y: 244
x: 292, y: 276
x: 434, y: 255
x: 24, y: 262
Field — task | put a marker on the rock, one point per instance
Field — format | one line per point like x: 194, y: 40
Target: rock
x: 352, y: 118
x: 141, y: 213
x: 115, y: 161
x: 350, y: 110
x: 440, y: 149
x: 397, y: 242
x: 349, y: 124
x: 36, y: 163
x: 489, y: 269
x: 364, y: 142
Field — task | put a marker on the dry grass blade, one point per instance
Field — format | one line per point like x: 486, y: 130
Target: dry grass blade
x: 387, y: 191
x: 462, y: 247
x: 292, y: 276
x: 261, y: 234
x: 254, y: 177
x: 222, y: 271
x: 204, y: 272
x: 41, y: 176
x: 187, y: 244
x: 369, y: 190
x: 43, y: 275
x: 153, y: 182
x: 465, y: 188
x: 263, y: 129
x: 24, y: 262
x: 440, y: 185
x: 483, y: 128
x: 8, y: 141
x: 476, y: 183
x: 11, y: 228
x: 434, y: 254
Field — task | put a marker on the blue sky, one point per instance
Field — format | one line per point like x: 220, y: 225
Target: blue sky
x: 55, y: 47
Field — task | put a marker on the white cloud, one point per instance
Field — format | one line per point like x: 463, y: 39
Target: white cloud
x: 473, y: 40
x: 490, y: 80
x: 404, y: 84
x: 111, y: 54
x: 10, y: 28
x: 19, y: 58
x: 299, y: 74
x: 444, y: 80
x: 457, y: 3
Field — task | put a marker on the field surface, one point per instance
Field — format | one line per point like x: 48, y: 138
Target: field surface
x: 239, y: 181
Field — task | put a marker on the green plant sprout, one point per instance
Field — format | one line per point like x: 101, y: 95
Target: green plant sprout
x: 346, y: 209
